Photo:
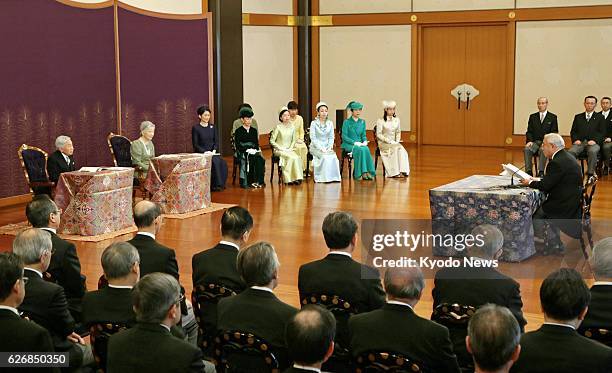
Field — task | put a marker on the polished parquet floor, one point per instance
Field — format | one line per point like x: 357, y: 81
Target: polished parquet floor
x: 290, y: 218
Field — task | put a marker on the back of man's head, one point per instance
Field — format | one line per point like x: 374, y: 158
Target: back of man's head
x: 145, y: 213
x: 118, y: 260
x: 11, y: 270
x: 564, y: 295
x: 154, y: 295
x: 235, y: 222
x: 39, y: 209
x: 493, y: 337
x: 309, y: 335
x: 404, y: 283
x: 258, y: 264
x: 30, y: 245
x: 339, y: 228
x: 601, y: 262
x: 490, y: 240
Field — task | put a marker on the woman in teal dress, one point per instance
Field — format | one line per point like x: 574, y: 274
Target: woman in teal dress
x: 354, y: 141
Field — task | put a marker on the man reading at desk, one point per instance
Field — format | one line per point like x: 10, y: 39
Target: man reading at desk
x: 562, y: 182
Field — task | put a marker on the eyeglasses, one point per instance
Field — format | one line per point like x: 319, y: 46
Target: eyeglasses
x: 181, y: 298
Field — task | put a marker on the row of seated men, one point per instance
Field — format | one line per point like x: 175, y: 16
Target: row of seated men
x: 591, y: 133
x: 385, y: 319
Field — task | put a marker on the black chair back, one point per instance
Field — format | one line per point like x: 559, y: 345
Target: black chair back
x: 34, y: 164
x: 102, y: 282
x: 99, y: 336
x: 601, y: 335
x: 451, y: 315
x: 275, y: 160
x: 386, y: 361
x: 241, y: 352
x: 204, y: 299
x: 120, y: 149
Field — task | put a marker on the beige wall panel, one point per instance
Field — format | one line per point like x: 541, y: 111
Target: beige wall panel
x: 267, y: 6
x: 368, y: 64
x: 168, y: 6
x: 268, y: 71
x: 565, y: 61
x: 89, y: 1
x: 557, y: 3
x: 363, y: 6
x: 443, y: 5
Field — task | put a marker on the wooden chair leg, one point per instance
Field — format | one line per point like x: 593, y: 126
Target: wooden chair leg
x: 341, y: 166
x: 280, y: 174
x: 234, y: 167
x: 375, y: 160
x: 350, y: 164
x: 272, y: 170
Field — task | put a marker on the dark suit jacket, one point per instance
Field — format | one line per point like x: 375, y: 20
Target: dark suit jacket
x: 19, y: 335
x: 108, y: 305
x: 151, y: 348
x: 259, y: 312
x: 56, y: 164
x: 599, y: 315
x: 396, y: 328
x: 561, y: 349
x: 66, y: 269
x: 607, y: 125
x: 457, y: 285
x: 296, y: 370
x: 154, y: 257
x: 586, y: 131
x: 536, y: 129
x: 217, y: 265
x: 563, y: 184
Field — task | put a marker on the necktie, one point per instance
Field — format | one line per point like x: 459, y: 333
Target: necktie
x: 541, y: 117
x: 588, y: 117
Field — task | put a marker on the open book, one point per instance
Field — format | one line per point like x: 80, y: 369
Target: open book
x: 97, y: 169
x: 512, y: 170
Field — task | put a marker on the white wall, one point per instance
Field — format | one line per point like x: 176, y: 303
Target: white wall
x: 550, y: 3
x: 443, y: 5
x: 368, y: 64
x: 268, y: 71
x: 564, y: 60
x: 267, y: 6
x: 363, y: 6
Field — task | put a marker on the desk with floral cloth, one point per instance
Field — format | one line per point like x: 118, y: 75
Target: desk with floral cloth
x: 180, y: 183
x: 95, y: 203
x: 458, y: 207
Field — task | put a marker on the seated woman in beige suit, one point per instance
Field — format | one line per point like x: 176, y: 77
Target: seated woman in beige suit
x: 142, y: 149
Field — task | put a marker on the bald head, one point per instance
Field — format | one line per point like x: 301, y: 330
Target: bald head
x: 404, y: 283
x: 145, y: 213
x: 310, y: 334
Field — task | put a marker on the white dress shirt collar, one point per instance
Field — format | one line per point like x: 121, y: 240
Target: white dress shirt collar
x: 555, y: 153
x: 147, y: 234
x: 227, y: 243
x: 341, y: 253
x: 304, y: 367
x: 556, y: 324
x: 34, y: 270
x: 399, y: 303
x: 53, y: 230
x: 120, y: 286
x: 13, y: 309
x: 605, y: 113
x: 543, y: 114
x: 602, y: 283
x: 165, y: 326
x: 264, y: 288
x: 66, y: 158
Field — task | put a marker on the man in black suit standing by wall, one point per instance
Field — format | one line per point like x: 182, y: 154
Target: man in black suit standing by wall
x: 606, y: 148
x: 65, y: 267
x: 61, y: 160
x: 556, y: 346
x: 149, y: 346
x: 539, y: 124
x: 397, y: 328
x: 587, y: 133
x: 563, y: 184
x: 257, y: 310
x: 17, y: 334
x: 599, y: 315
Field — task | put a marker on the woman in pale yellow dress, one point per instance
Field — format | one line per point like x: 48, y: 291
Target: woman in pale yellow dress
x: 298, y: 123
x: 283, y: 141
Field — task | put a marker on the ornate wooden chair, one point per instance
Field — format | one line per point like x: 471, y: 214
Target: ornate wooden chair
x: 238, y: 351
x: 386, y: 361
x: 452, y: 314
x: 275, y: 160
x: 309, y: 156
x: 120, y: 148
x: 601, y: 335
x: 377, y: 153
x: 34, y: 163
x: 204, y: 299
x: 588, y: 191
x: 236, y: 163
x: 99, y: 335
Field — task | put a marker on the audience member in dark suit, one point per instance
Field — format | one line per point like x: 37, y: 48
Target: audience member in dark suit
x: 257, y: 310
x: 310, y: 339
x: 155, y: 257
x: 61, y: 160
x: 65, y: 267
x: 493, y: 339
x: 17, y: 334
x: 338, y: 274
x: 539, y: 124
x: 599, y: 315
x: 45, y: 302
x: 397, y: 328
x: 563, y: 184
x: 149, y: 346
x: 587, y: 133
x: 556, y: 346
x: 456, y: 285
x: 606, y: 147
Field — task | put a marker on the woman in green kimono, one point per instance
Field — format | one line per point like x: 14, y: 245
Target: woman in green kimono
x: 283, y: 142
x: 354, y: 141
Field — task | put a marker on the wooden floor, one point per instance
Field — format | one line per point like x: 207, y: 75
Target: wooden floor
x: 290, y: 218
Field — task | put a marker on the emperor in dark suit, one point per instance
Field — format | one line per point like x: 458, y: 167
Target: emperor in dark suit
x: 62, y: 159
x: 606, y: 147
x: 587, y: 133
x: 539, y: 124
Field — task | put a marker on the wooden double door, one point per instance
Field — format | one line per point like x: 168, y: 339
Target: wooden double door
x: 464, y: 54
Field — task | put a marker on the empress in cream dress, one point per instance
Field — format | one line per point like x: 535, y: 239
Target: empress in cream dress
x: 393, y: 154
x: 283, y: 141
x: 300, y: 147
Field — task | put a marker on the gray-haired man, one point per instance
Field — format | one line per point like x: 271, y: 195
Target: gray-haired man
x: 61, y: 160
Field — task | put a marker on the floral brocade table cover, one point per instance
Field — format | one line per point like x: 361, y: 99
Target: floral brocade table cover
x: 458, y: 207
x: 95, y: 203
x: 180, y: 183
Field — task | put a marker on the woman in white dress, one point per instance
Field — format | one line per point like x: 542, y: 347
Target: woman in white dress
x: 389, y: 134
x: 325, y: 162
